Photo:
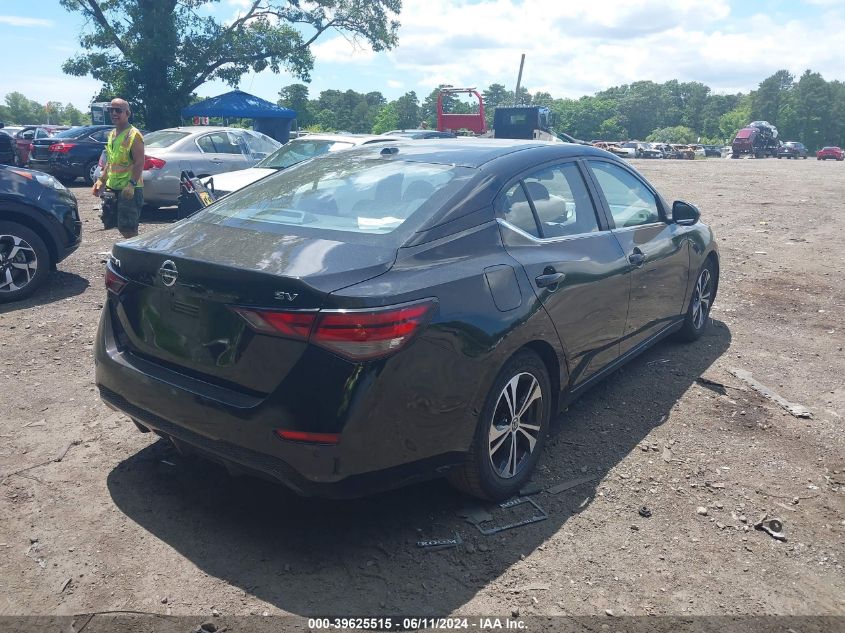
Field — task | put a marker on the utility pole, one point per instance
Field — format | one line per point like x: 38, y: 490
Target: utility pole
x: 518, y: 81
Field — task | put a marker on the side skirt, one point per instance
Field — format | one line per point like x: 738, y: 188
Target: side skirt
x: 570, y: 396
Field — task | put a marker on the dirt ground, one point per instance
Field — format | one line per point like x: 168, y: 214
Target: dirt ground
x: 122, y: 522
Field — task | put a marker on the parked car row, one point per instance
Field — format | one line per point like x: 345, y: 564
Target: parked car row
x: 639, y: 149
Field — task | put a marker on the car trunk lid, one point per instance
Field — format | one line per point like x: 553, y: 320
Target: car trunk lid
x: 185, y: 282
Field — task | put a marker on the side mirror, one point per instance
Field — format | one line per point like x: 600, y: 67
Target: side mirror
x: 684, y: 213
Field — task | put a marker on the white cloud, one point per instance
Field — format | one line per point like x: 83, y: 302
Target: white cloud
x: 574, y: 49
x: 340, y: 50
x: 19, y: 20
x: 392, y: 83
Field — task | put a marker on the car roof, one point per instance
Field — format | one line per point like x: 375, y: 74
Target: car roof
x: 200, y: 129
x: 475, y: 152
x: 355, y: 139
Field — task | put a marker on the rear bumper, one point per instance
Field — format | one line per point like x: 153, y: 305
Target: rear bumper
x: 237, y: 429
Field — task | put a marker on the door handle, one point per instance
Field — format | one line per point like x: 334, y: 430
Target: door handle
x: 216, y: 160
x: 637, y: 257
x: 549, y: 279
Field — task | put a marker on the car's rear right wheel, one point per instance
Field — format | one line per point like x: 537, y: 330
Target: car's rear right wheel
x: 24, y: 261
x: 511, y: 432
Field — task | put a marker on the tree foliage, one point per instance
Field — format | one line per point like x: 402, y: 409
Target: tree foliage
x: 156, y: 53
x: 23, y: 111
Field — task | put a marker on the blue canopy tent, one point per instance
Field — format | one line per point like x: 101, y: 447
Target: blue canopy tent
x: 269, y: 118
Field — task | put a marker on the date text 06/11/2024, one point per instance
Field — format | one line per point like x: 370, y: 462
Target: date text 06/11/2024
x: 414, y: 624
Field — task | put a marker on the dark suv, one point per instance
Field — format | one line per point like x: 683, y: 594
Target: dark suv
x: 792, y: 149
x: 39, y: 227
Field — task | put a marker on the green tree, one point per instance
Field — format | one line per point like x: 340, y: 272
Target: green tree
x: 731, y: 122
x: 408, y: 111
x: 23, y: 110
x: 157, y: 52
x: 387, y: 119
x: 612, y: 128
x: 813, y: 106
x: 495, y: 96
x: 72, y: 116
x: 326, y: 120
x: 767, y: 100
x: 674, y: 134
x: 295, y: 97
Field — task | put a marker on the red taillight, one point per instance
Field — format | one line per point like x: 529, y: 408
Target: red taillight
x: 61, y: 148
x: 295, y: 325
x: 367, y: 334
x: 153, y: 163
x: 354, y: 334
x: 313, y: 438
x: 114, y: 282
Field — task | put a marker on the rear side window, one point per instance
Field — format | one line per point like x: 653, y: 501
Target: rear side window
x: 560, y: 199
x: 631, y: 202
x: 163, y: 138
x: 348, y: 194
x: 221, y: 143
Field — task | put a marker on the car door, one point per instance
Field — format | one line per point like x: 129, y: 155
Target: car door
x: 573, y: 262
x: 656, y: 248
x: 221, y: 151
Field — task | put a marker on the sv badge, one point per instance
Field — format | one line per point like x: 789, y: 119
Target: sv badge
x: 285, y: 296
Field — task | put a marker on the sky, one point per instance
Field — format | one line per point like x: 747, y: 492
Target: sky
x: 571, y: 48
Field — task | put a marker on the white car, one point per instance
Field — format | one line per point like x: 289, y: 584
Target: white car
x: 291, y: 153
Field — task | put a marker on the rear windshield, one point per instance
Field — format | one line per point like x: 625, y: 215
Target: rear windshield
x: 744, y: 133
x: 73, y: 132
x: 163, y: 138
x: 348, y: 195
x: 299, y: 150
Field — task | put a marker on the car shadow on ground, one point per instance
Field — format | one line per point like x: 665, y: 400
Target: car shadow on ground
x: 360, y: 557
x: 59, y: 285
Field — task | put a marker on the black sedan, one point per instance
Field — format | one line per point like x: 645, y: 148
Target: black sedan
x: 792, y: 149
x: 392, y: 313
x: 70, y: 154
x: 39, y: 227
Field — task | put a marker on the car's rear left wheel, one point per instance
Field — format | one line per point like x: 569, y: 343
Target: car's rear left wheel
x: 511, y: 432
x: 24, y: 262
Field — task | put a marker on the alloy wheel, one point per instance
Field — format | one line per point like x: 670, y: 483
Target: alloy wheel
x: 515, y: 427
x: 701, y: 299
x: 18, y: 263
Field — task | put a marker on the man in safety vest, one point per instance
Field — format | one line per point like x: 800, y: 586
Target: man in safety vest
x: 123, y: 195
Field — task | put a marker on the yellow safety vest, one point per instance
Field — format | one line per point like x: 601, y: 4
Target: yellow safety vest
x: 120, y: 158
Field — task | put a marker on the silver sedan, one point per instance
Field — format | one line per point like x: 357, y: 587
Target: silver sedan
x: 203, y: 150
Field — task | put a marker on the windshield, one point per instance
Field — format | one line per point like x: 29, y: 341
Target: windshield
x: 260, y: 145
x: 299, y: 150
x: 163, y: 138
x: 347, y: 193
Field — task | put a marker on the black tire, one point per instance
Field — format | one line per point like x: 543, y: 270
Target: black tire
x: 88, y: 173
x: 515, y: 456
x: 24, y: 262
x: 698, y: 312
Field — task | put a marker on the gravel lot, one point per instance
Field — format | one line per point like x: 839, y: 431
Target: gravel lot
x: 122, y: 522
